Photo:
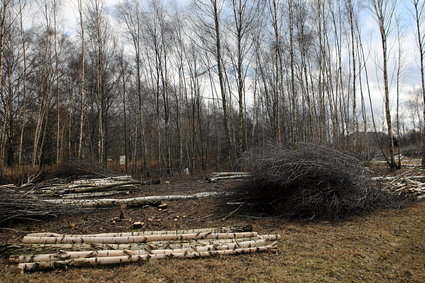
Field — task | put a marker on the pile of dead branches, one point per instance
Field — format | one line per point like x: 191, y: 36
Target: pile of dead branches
x: 409, y: 184
x: 18, y: 207
x: 309, y: 181
x: 43, y: 251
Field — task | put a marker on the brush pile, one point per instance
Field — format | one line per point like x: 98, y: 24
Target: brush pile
x: 409, y: 184
x: 309, y: 181
x: 18, y: 207
x: 44, y: 251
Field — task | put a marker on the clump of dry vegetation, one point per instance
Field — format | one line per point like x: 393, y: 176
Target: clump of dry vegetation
x: 310, y: 181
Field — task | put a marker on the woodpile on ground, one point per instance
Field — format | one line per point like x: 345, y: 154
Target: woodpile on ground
x: 409, y: 184
x: 45, y: 251
x: 219, y: 176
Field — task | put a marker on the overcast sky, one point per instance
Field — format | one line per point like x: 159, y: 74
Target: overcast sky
x: 371, y: 41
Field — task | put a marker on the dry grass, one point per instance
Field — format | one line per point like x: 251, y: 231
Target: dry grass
x: 386, y: 245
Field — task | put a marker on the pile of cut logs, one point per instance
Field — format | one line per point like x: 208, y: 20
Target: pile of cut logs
x: 218, y: 176
x: 408, y: 184
x: 44, y: 251
x: 87, y: 188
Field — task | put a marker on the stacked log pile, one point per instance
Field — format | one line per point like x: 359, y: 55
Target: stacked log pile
x: 86, y: 187
x: 218, y: 176
x: 409, y: 184
x: 43, y: 251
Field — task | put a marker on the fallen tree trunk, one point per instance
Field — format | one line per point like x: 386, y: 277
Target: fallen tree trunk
x: 134, y: 202
x: 114, y: 253
x: 223, y: 174
x: 134, y: 239
x: 96, y: 194
x: 101, y: 181
x: 82, y: 262
x: 103, y: 188
x: 233, y: 177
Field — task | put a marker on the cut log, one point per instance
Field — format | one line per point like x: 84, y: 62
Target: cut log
x: 92, y: 195
x: 223, y: 174
x: 235, y: 177
x: 102, y: 188
x: 103, y: 180
x: 81, y: 262
x: 134, y: 239
x: 274, y: 237
x: 134, y: 202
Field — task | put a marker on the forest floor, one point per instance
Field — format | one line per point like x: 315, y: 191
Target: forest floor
x: 386, y: 245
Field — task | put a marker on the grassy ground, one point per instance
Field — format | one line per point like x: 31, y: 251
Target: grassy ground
x: 387, y: 245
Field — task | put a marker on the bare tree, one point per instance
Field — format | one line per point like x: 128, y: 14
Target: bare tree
x: 209, y: 12
x: 419, y: 9
x: 82, y: 80
x: 384, y: 12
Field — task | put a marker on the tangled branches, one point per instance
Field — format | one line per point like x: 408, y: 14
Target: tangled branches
x: 310, y: 181
x: 21, y: 208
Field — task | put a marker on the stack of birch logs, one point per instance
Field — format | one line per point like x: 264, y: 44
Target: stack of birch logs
x: 410, y: 183
x: 44, y: 251
x: 87, y: 188
x: 218, y: 176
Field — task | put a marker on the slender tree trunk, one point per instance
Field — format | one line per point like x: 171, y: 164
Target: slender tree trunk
x: 82, y: 83
x: 222, y: 80
x: 419, y: 10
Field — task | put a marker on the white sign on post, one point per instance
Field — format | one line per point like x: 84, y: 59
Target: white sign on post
x: 122, y: 159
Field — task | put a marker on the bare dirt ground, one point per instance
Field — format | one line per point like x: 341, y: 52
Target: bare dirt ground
x: 386, y: 245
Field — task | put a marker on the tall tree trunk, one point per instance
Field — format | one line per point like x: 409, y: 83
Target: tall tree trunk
x: 221, y: 78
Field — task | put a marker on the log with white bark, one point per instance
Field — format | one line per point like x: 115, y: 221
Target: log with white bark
x: 98, y: 181
x: 224, y: 174
x: 229, y: 229
x: 65, y: 255
x: 103, y: 188
x: 134, y: 239
x: 271, y: 237
x: 233, y: 177
x: 138, y: 201
x: 94, y: 195
x: 217, y: 176
x: 82, y: 262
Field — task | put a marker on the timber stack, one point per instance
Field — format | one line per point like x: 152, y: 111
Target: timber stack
x: 46, y: 251
x: 409, y: 184
x: 219, y: 176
